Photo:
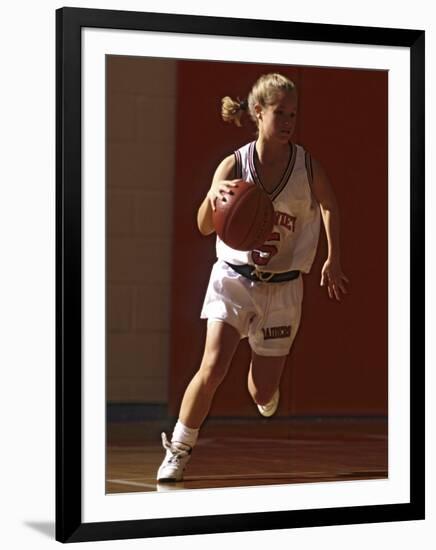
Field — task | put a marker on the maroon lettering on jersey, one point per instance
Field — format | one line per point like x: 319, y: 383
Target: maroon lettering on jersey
x: 285, y: 220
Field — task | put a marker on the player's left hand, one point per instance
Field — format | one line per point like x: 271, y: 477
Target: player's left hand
x: 333, y: 277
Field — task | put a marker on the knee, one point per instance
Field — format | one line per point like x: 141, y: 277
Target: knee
x: 213, y: 370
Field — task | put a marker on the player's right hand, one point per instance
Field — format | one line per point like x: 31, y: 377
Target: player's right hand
x: 220, y: 188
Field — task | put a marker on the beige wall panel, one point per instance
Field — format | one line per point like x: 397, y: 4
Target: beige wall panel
x: 141, y: 109
x: 153, y: 213
x: 133, y: 166
x: 134, y: 260
x: 152, y: 308
x: 138, y: 354
x: 138, y: 390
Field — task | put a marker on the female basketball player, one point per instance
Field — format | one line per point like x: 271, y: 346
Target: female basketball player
x: 259, y: 293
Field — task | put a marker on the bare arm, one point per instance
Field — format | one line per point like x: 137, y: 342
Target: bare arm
x: 222, y: 182
x: 332, y: 275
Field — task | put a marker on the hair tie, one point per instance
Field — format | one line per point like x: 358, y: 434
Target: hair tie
x: 242, y: 104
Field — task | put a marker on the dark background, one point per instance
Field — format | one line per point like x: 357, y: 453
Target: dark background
x: 157, y: 178
x: 338, y: 364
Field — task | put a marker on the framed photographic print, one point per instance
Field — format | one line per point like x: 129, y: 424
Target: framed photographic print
x: 327, y: 122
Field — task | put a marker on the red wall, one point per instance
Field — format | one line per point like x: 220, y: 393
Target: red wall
x: 338, y: 364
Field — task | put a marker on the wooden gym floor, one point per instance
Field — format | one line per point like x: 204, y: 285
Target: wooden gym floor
x: 235, y: 453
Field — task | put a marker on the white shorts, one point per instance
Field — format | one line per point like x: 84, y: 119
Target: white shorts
x: 268, y: 313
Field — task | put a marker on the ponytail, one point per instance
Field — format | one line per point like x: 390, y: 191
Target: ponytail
x: 232, y: 110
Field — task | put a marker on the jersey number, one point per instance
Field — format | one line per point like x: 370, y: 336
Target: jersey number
x: 263, y: 254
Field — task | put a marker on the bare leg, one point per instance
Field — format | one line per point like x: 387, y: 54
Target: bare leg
x: 221, y: 343
x: 264, y: 377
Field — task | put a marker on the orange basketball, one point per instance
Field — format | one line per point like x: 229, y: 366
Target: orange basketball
x: 244, y: 219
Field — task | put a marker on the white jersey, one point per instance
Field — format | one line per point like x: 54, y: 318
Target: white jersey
x: 292, y: 244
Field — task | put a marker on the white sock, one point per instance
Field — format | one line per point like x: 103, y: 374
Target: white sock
x: 185, y: 435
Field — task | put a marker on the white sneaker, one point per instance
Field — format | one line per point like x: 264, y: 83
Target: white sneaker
x: 270, y: 408
x: 176, y: 458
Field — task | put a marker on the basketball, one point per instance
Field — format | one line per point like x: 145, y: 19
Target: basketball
x: 245, y: 219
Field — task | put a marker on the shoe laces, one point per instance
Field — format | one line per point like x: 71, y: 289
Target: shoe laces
x: 177, y: 452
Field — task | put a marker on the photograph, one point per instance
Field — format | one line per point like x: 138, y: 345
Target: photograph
x: 239, y: 254
x: 235, y: 368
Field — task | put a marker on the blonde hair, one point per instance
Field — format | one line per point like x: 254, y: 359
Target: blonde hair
x: 232, y: 110
x: 264, y: 93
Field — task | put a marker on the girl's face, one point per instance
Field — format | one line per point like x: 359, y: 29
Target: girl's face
x: 277, y: 121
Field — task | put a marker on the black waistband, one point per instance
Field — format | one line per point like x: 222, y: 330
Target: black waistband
x: 249, y: 272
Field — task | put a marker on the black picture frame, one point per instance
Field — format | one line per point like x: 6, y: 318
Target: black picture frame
x: 69, y: 524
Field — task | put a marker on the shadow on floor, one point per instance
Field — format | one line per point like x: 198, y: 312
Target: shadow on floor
x: 45, y: 527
